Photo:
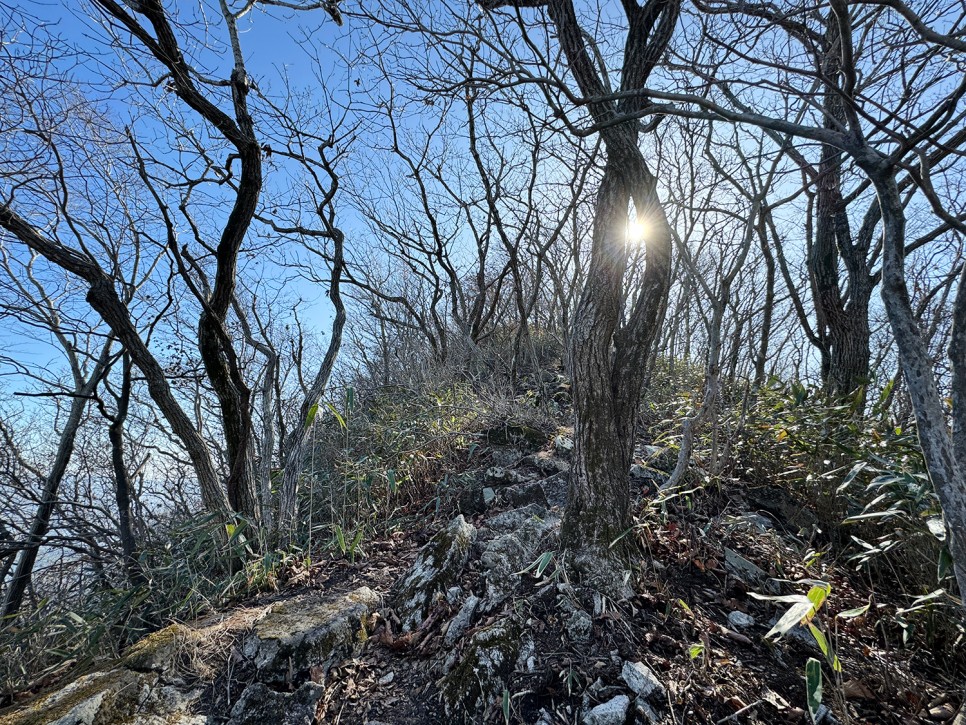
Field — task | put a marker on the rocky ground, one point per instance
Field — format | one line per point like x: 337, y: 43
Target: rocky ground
x: 469, y: 619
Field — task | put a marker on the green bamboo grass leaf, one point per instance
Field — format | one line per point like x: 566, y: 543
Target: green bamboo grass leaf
x: 813, y: 687
x: 544, y: 562
x: 795, y: 614
x: 310, y: 418
x: 337, y: 414
x: 853, y: 613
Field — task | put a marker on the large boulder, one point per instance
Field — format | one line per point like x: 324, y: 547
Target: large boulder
x: 309, y: 631
x: 119, y: 696
x: 436, y: 569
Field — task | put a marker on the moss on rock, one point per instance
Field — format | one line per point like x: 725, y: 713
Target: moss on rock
x: 158, y: 651
x: 307, y: 632
x: 480, y: 676
x: 437, y: 568
x: 113, y: 697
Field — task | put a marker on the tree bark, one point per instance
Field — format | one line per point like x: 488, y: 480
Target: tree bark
x: 608, y: 360
x: 288, y: 499
x: 122, y: 480
x: 944, y: 458
x: 83, y: 391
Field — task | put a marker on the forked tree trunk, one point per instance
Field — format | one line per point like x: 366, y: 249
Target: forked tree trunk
x: 608, y: 370
x: 608, y: 361
x: 83, y: 390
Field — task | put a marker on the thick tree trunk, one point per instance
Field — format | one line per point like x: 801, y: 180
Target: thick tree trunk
x: 944, y: 460
x: 842, y: 324
x: 608, y: 371
x: 849, y: 349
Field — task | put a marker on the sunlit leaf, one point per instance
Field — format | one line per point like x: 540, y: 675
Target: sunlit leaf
x: 813, y: 687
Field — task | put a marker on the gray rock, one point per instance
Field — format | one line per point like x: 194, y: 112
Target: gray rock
x: 309, y: 631
x: 159, y: 651
x: 435, y: 570
x: 469, y: 497
x: 453, y: 594
x: 112, y: 696
x: 555, y: 489
x: 260, y: 704
x: 799, y: 634
x: 579, y: 626
x: 750, y: 522
x: 523, y: 494
x: 647, y: 712
x: 643, y: 682
x: 563, y: 443
x: 514, y: 519
x: 498, y: 476
x: 544, y: 718
x: 527, y: 659
x: 638, y: 471
x: 548, y: 463
x: 462, y: 621
x: 748, y: 572
x: 612, y: 712
x: 488, y: 496
x: 647, y: 476
x: 481, y: 674
x: 507, y: 555
x: 740, y: 620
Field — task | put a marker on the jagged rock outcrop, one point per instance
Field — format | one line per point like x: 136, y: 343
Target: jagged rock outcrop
x: 259, y: 705
x: 488, y: 658
x: 118, y: 697
x: 436, y: 569
x: 508, y: 554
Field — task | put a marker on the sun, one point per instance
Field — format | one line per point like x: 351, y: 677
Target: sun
x: 639, y: 230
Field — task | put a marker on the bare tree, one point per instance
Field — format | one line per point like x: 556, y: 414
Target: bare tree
x: 607, y: 357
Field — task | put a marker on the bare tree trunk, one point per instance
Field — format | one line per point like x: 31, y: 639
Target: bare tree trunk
x: 83, y: 391
x: 288, y: 501
x: 608, y: 359
x: 608, y: 370
x: 761, y: 358
x: 104, y: 299
x: 122, y: 480
x: 944, y: 459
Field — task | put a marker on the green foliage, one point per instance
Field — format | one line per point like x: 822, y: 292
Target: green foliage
x: 813, y: 687
x: 857, y: 471
x: 379, y: 453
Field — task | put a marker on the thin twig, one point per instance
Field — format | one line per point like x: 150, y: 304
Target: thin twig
x: 742, y: 711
